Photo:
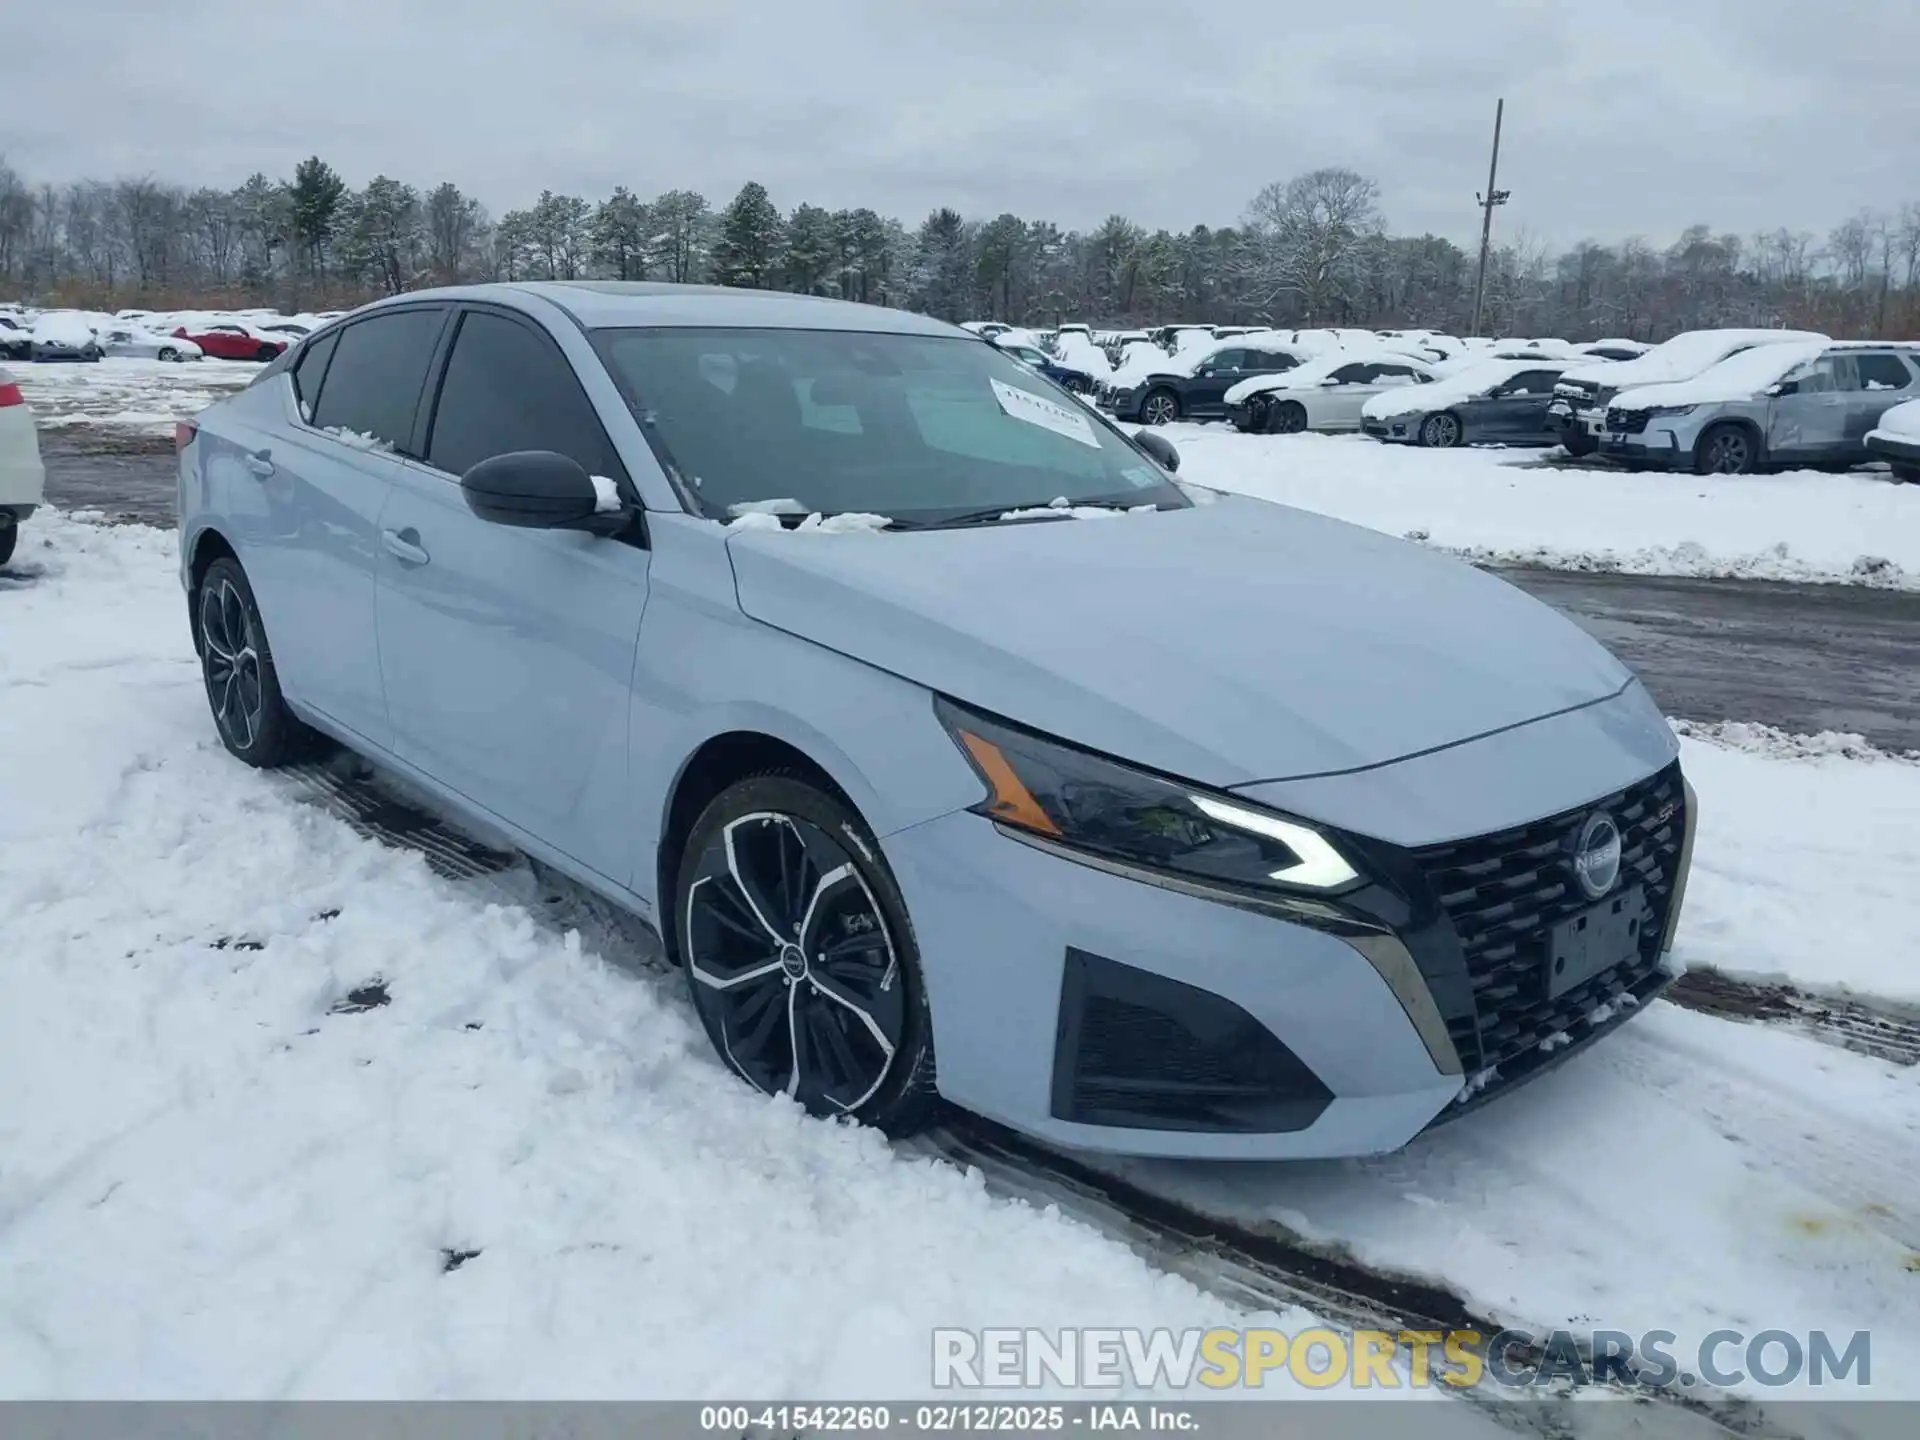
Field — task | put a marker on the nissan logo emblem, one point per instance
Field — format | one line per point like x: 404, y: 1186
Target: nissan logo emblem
x: 1596, y: 855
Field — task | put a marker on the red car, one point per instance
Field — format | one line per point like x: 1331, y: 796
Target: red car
x: 233, y: 341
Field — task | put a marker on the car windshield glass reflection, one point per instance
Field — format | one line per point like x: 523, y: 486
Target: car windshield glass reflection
x: 914, y: 427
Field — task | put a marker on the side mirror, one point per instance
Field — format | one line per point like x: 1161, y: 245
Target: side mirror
x: 1783, y: 387
x: 1159, y: 447
x: 1329, y: 382
x: 538, y: 490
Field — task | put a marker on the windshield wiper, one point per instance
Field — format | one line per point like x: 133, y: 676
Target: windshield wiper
x: 1014, y: 514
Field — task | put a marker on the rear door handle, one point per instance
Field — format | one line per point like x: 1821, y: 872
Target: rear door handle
x: 260, y: 462
x: 405, y: 546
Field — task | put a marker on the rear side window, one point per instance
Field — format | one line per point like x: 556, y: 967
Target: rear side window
x: 1883, y: 372
x: 310, y: 369
x: 1353, y: 374
x: 378, y: 370
x: 1532, y: 382
x: 509, y: 389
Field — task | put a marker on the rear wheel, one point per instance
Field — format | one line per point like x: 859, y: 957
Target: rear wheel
x: 167, y: 352
x: 243, y: 687
x: 1725, y: 450
x: 800, y: 957
x: 1909, y: 473
x: 266, y: 353
x: 1289, y: 418
x: 9, y: 537
x: 1442, y: 431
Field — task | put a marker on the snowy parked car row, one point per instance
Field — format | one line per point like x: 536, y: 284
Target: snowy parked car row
x: 85, y: 335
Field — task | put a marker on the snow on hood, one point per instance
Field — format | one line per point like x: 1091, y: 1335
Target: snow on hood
x: 1738, y: 377
x: 1290, y: 648
x: 1902, y: 423
x: 1469, y: 383
x: 1682, y: 357
x: 1077, y: 352
x: 62, y: 327
x: 1311, y: 372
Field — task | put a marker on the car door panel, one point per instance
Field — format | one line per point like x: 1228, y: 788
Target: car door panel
x: 1205, y: 394
x: 1809, y: 423
x: 507, y: 654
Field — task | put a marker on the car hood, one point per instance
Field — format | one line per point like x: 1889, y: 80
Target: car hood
x: 1233, y: 642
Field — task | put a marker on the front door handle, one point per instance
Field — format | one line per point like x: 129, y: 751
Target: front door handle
x: 260, y: 462
x: 405, y: 546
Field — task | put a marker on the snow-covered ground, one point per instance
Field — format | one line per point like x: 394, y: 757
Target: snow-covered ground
x: 213, y: 1185
x: 1504, y: 505
x: 145, y: 396
x: 212, y: 1182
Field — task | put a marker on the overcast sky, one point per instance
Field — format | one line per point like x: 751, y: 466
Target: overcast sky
x: 1623, y: 117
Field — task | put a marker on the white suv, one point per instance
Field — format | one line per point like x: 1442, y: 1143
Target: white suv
x: 23, y: 480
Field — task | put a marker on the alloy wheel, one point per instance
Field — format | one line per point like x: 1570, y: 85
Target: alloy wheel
x: 1728, y: 453
x: 793, y: 964
x: 232, y: 661
x: 1159, y: 409
x: 1290, y: 418
x: 1442, y: 431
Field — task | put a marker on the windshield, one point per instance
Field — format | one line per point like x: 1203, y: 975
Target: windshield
x: 914, y: 427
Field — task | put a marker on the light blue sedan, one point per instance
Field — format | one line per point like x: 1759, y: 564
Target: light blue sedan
x: 924, y: 713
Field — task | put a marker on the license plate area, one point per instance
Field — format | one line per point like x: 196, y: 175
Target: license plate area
x: 1598, y: 938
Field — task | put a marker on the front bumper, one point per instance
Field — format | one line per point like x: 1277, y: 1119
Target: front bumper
x: 1890, y: 446
x: 1401, y: 429
x: 1655, y: 448
x: 1092, y: 1010
x: 1125, y: 404
x: 1565, y: 415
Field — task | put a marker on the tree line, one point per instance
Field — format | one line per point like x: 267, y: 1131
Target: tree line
x: 1314, y: 250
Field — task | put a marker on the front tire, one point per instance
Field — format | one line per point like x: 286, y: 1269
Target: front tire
x: 236, y: 663
x: 267, y: 354
x: 1579, y: 442
x: 800, y: 957
x: 1443, y: 431
x: 167, y: 352
x: 1725, y: 450
x: 1289, y: 418
x: 1909, y: 474
x: 1160, y: 407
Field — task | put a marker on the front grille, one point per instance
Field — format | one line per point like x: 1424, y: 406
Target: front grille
x: 1505, y: 892
x: 1627, y: 422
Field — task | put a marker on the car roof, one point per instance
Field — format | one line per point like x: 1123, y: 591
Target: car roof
x: 602, y: 304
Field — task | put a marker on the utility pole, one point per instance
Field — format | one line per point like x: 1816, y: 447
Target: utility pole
x: 1492, y: 198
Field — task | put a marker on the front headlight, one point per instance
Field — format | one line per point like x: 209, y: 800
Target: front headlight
x: 1660, y: 410
x: 1082, y: 801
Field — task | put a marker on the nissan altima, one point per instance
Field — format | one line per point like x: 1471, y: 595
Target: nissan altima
x: 952, y: 744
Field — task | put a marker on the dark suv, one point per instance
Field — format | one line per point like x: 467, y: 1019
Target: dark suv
x: 1200, y: 394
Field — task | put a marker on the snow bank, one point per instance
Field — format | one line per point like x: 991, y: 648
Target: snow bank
x: 1507, y: 507
x: 217, y: 1185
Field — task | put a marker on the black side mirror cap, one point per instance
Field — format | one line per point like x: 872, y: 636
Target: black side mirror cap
x: 1160, y: 448
x: 539, y: 490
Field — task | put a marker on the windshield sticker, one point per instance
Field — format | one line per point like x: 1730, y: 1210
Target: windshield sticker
x: 1025, y: 405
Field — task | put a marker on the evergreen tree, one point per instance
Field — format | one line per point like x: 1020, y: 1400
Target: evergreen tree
x: 813, y: 251
x: 748, y: 248
x: 678, y: 246
x: 618, y: 236
x: 314, y: 200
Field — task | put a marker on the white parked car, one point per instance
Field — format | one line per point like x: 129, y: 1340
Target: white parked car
x: 16, y: 337
x: 1896, y: 440
x: 23, y: 480
x: 136, y: 341
x: 1327, y: 393
x: 62, y: 335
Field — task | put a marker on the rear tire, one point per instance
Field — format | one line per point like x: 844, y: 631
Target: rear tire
x: 236, y: 663
x: 1289, y: 418
x: 9, y: 537
x: 167, y: 352
x: 267, y: 354
x: 800, y: 956
x: 1443, y: 431
x: 1725, y: 450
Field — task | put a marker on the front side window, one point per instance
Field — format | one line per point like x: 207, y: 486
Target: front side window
x: 1353, y: 374
x: 379, y: 367
x: 1531, y: 382
x: 507, y: 389
x: 920, y: 428
x: 310, y: 369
